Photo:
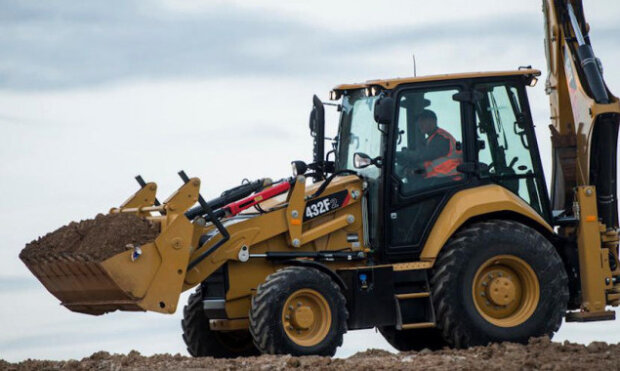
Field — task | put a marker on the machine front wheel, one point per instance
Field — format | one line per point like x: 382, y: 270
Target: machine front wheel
x: 298, y: 311
x: 201, y: 341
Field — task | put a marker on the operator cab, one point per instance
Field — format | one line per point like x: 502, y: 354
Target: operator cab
x: 432, y: 137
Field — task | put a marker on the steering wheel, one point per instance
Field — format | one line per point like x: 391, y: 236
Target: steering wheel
x: 510, y: 166
x: 407, y: 171
x: 513, y: 162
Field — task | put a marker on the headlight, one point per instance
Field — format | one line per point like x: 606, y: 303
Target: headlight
x: 334, y: 95
x: 299, y: 168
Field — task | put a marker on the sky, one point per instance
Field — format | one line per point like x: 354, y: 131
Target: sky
x: 93, y: 93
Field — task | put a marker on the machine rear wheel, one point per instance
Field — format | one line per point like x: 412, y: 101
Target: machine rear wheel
x: 298, y: 311
x: 201, y: 341
x: 498, y: 281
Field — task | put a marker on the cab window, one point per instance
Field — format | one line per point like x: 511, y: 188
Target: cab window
x: 428, y: 144
x: 503, y: 141
x: 359, y: 132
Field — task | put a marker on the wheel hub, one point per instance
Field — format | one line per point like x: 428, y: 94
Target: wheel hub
x: 501, y: 291
x: 303, y: 317
x: 306, y: 317
x: 505, y: 290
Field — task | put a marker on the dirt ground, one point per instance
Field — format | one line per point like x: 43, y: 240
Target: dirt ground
x: 540, y: 354
x: 93, y: 239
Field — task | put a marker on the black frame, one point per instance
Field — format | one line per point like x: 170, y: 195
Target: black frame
x: 394, y: 196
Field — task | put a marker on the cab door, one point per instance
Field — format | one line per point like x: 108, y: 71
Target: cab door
x: 418, y: 184
x: 506, y: 142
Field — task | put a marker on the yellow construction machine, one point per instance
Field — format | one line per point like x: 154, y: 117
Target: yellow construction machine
x: 429, y: 220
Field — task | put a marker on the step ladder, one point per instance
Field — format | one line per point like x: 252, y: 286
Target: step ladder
x: 414, y: 310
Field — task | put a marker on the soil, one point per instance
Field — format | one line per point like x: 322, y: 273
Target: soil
x: 539, y: 354
x: 93, y: 239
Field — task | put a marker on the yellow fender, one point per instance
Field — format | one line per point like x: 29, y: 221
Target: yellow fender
x: 471, y: 203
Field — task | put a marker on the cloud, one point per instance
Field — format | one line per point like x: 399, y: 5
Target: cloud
x: 55, y: 45
x: 52, y: 45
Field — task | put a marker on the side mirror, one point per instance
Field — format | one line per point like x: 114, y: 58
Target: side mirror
x: 384, y: 110
x: 468, y: 96
x: 362, y: 160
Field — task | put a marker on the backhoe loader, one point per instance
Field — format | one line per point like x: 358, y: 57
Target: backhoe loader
x: 429, y: 220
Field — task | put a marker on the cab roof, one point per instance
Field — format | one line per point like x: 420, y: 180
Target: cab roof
x: 392, y: 83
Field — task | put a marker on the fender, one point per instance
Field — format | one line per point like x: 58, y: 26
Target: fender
x: 321, y: 267
x: 470, y: 203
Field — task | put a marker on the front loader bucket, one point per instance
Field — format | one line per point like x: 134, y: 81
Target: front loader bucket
x: 81, y: 285
x: 147, y: 277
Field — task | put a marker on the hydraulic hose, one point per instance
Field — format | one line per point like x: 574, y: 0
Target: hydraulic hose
x: 229, y: 196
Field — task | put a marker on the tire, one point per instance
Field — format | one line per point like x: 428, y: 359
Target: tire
x: 466, y: 298
x: 201, y: 341
x: 408, y: 340
x: 279, y: 327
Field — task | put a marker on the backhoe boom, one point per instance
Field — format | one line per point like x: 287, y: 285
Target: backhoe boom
x: 585, y: 117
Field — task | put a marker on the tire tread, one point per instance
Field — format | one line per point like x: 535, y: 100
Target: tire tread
x: 457, y: 331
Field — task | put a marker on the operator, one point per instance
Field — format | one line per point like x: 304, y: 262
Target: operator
x: 437, y: 153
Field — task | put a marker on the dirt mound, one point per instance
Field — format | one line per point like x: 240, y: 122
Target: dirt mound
x: 539, y: 354
x: 93, y: 239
